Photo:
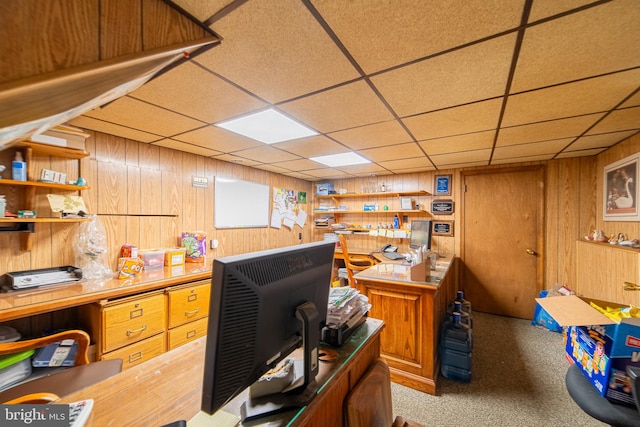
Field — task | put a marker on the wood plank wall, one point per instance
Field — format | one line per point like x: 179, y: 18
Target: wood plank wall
x: 129, y: 179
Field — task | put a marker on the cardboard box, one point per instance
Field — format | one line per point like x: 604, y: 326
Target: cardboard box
x: 601, y: 347
x: 174, y: 256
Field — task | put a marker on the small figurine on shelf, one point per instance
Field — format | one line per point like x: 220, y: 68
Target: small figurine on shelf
x: 2, y: 168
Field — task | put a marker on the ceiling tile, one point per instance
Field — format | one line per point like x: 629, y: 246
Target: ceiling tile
x: 466, y: 75
x: 572, y: 99
x: 327, y: 173
x: 218, y: 139
x: 298, y: 165
x: 632, y: 102
x: 266, y: 154
x: 113, y: 129
x: 341, y: 108
x: 237, y: 160
x: 595, y: 41
x: 189, y: 148
x: 313, y: 146
x: 363, y: 170
x: 411, y: 163
x: 538, y: 158
x: 475, y: 156
x: 477, y: 117
x: 202, y: 9
x: 145, y: 117
x: 276, y: 50
x: 531, y: 149
x: 392, y: 152
x: 625, y: 119
x: 271, y: 168
x: 453, y: 144
x: 571, y: 154
x: 197, y: 93
x: 375, y: 135
x: 543, y: 131
x: 382, y: 34
x: 545, y: 8
x: 299, y: 175
x: 601, y: 141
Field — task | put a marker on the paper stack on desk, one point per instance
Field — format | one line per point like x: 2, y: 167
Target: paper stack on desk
x: 346, y: 307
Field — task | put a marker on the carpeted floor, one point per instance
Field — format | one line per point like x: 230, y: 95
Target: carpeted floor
x: 517, y: 380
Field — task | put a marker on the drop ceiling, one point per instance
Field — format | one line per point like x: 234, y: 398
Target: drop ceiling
x: 412, y: 86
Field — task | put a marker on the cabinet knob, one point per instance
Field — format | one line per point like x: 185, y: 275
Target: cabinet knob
x: 531, y: 251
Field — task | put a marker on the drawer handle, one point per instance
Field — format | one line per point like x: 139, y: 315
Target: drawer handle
x: 189, y: 313
x: 191, y: 333
x: 135, y: 331
x: 628, y: 286
x: 135, y: 356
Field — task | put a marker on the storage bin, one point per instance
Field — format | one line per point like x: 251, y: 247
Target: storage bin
x: 153, y: 258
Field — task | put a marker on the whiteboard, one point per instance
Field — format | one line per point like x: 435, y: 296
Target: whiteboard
x: 240, y: 204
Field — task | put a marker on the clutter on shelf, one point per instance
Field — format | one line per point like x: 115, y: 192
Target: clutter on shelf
x: 619, y: 239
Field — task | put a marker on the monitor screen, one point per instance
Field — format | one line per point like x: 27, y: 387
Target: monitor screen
x: 420, y: 234
x: 254, y: 317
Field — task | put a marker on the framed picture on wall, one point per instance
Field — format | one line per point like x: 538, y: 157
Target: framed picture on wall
x: 620, y: 202
x: 442, y: 185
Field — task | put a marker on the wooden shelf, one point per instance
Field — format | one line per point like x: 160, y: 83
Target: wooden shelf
x: 52, y: 185
x: 54, y: 150
x: 379, y: 194
x: 393, y: 211
x: 42, y: 219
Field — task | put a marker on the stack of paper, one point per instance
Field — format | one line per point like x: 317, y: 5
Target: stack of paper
x: 346, y: 307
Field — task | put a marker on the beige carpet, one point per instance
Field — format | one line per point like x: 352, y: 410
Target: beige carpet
x: 517, y: 380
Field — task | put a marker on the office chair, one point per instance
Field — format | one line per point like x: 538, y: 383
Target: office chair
x: 353, y: 262
x: 588, y: 399
x: 59, y: 383
x: 369, y: 402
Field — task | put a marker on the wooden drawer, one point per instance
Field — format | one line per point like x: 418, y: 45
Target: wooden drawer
x: 132, y: 320
x: 188, y: 303
x: 134, y: 354
x: 187, y: 332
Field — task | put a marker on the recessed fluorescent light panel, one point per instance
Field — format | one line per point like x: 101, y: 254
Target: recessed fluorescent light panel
x: 343, y: 159
x: 268, y: 126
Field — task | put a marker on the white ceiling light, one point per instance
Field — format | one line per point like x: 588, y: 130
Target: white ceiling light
x: 268, y: 126
x: 343, y: 159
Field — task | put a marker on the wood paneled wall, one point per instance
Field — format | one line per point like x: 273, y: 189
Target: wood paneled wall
x: 143, y: 196
x: 54, y: 35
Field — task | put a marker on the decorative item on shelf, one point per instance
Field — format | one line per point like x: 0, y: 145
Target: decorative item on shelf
x: 2, y: 168
x: 406, y: 203
x: 597, y: 236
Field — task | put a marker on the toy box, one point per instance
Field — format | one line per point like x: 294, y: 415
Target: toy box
x: 601, y: 347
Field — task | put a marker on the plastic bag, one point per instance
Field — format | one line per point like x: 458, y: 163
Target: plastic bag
x: 91, y: 250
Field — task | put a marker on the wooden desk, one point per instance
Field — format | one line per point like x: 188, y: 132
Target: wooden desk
x: 30, y: 302
x: 413, y: 313
x: 169, y: 387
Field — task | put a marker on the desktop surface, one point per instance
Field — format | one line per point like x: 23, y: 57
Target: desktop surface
x: 230, y: 414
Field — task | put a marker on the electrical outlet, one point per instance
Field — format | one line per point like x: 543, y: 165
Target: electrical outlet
x: 300, y: 236
x: 214, y: 244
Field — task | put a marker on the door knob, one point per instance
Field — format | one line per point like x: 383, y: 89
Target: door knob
x: 531, y: 251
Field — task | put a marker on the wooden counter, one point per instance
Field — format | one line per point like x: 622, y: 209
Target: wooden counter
x: 29, y: 302
x: 168, y: 388
x: 413, y: 312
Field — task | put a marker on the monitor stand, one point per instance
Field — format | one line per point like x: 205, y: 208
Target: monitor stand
x: 301, y: 395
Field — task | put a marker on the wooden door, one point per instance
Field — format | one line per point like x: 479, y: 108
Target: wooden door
x: 502, y: 239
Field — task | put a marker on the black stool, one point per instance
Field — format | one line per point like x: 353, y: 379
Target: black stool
x: 588, y: 399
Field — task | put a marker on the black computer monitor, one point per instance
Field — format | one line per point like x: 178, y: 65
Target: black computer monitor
x: 263, y: 306
x: 420, y: 234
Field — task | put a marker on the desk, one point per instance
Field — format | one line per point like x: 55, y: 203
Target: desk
x: 413, y: 313
x: 169, y: 387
